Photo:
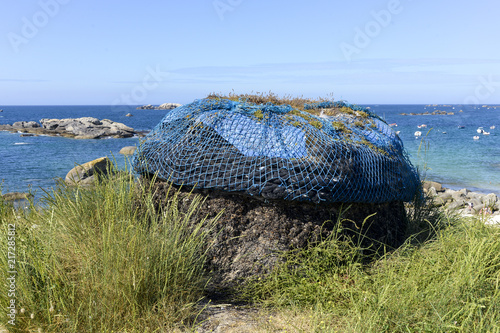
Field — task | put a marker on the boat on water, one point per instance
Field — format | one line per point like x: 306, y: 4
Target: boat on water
x: 393, y: 125
x: 480, y: 130
x: 422, y: 126
x: 461, y: 126
x: 418, y: 133
x: 475, y: 137
x: 486, y: 133
x: 492, y: 127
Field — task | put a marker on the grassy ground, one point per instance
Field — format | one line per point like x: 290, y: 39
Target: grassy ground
x: 448, y: 284
x: 94, y: 260
x: 103, y: 260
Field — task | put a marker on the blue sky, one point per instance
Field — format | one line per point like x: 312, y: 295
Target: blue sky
x: 151, y: 52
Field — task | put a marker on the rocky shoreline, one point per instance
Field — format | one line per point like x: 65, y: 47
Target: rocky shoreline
x: 463, y: 202
x: 164, y: 106
x: 77, y: 128
x: 427, y: 113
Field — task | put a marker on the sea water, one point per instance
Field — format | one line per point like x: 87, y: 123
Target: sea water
x: 444, y: 152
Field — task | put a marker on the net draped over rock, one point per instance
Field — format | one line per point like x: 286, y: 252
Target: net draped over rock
x: 278, y: 152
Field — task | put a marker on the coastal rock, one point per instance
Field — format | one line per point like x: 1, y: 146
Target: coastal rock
x: 464, y: 201
x: 164, y: 106
x: 428, y: 184
x: 457, y: 195
x: 78, y: 128
x: 432, y: 192
x: 85, y: 174
x: 169, y: 106
x: 251, y: 232
x: 146, y: 107
x: 445, y: 196
x: 26, y: 124
x: 456, y: 204
x: 478, y: 209
x: 490, y: 199
x: 14, y: 196
x: 128, y: 150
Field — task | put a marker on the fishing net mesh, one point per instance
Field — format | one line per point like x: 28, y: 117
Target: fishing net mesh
x: 326, y: 152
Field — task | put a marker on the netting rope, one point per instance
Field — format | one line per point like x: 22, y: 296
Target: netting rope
x: 332, y: 152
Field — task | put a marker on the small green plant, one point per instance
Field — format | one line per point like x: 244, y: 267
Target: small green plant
x: 316, y: 123
x: 359, y: 124
x: 258, y: 114
x: 339, y: 126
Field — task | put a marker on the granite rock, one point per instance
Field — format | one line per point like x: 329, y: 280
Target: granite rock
x: 78, y: 128
x: 86, y: 173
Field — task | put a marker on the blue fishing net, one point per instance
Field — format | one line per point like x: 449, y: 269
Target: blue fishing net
x: 332, y: 152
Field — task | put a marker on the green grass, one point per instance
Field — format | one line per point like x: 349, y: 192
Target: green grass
x: 449, y: 283
x: 104, y: 260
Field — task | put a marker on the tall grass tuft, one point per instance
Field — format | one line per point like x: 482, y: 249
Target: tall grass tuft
x: 102, y: 259
x: 448, y: 283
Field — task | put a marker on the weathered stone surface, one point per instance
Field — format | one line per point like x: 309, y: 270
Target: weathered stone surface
x: 445, y: 196
x: 252, y: 232
x: 464, y: 201
x: 490, y: 199
x: 164, y: 106
x: 169, y: 106
x: 146, y: 107
x: 456, y: 204
x: 428, y: 184
x: 128, y: 150
x: 78, y: 128
x: 13, y: 196
x: 457, y: 195
x: 26, y: 124
x: 432, y: 192
x: 85, y: 174
x: 475, y: 202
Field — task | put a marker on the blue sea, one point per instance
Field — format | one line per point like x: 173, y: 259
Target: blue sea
x: 444, y: 153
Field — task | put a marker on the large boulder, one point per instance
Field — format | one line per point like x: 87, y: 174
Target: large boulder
x: 331, y: 152
x: 128, y: 150
x: 251, y: 234
x: 282, y: 176
x: 88, y: 173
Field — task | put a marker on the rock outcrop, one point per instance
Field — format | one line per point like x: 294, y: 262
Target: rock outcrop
x: 78, y: 128
x: 462, y: 201
x: 252, y: 232
x: 169, y: 106
x: 14, y: 196
x: 128, y: 150
x: 86, y: 173
x: 164, y: 106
